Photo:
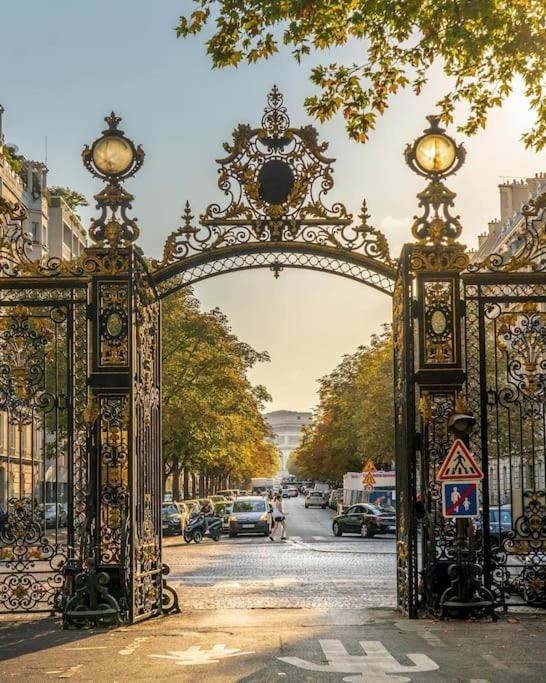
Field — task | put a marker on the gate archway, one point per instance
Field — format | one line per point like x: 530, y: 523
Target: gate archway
x: 97, y: 321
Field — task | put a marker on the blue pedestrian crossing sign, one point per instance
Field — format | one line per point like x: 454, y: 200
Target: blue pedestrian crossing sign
x: 460, y: 499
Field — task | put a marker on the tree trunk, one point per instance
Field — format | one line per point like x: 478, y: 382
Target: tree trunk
x: 193, y: 486
x: 201, y: 484
x: 176, y: 480
x: 186, y: 475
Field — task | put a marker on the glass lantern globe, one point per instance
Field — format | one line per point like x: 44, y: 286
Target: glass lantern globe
x: 435, y: 153
x: 112, y: 155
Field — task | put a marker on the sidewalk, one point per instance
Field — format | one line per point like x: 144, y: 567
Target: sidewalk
x: 374, y: 645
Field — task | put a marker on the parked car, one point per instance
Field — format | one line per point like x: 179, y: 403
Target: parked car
x: 335, y: 497
x: 217, y: 498
x: 230, y: 494
x: 53, y: 514
x: 364, y: 519
x: 500, y: 523
x: 315, y: 499
x: 248, y: 515
x: 172, y: 521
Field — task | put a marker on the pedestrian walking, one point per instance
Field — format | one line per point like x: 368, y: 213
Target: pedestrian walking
x: 279, y: 518
x: 270, y: 510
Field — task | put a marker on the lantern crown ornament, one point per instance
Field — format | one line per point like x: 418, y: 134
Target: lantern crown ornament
x: 435, y: 155
x: 113, y: 158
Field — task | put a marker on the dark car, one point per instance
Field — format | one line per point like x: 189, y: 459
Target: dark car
x: 248, y: 515
x: 315, y: 498
x: 500, y: 523
x: 364, y: 519
x: 171, y: 520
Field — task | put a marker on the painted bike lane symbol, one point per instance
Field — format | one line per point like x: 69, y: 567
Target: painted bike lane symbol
x: 377, y: 664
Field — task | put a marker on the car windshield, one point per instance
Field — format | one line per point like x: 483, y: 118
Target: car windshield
x: 170, y: 509
x: 316, y: 494
x: 249, y: 506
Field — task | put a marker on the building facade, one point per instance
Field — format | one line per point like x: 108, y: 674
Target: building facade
x: 27, y: 468
x: 287, y: 427
x: 508, y: 473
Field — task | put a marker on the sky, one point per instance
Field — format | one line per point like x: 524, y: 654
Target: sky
x: 65, y: 64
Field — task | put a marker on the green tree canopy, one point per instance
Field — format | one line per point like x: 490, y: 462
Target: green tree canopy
x: 483, y: 46
x: 354, y: 420
x: 70, y: 196
x: 212, y: 414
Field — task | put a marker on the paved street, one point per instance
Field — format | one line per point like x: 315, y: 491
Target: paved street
x: 312, y: 569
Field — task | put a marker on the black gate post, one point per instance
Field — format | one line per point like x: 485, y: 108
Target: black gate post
x: 121, y: 579
x: 436, y: 260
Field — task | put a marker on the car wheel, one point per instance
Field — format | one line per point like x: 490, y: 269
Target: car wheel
x: 197, y: 536
x: 187, y: 537
x: 336, y: 528
x: 307, y: 506
x: 323, y: 507
x: 216, y: 538
x: 232, y: 535
x: 266, y: 533
x: 365, y: 531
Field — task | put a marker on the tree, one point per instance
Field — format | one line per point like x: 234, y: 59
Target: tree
x: 70, y: 196
x: 354, y: 420
x: 212, y: 419
x: 483, y: 46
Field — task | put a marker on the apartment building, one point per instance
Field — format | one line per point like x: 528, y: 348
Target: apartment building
x: 503, y: 236
x: 55, y: 230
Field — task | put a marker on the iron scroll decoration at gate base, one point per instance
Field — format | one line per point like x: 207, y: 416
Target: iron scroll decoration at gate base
x: 276, y: 178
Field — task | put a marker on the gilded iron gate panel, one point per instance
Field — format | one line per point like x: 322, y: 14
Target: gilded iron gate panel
x: 43, y: 467
x: 404, y: 415
x: 506, y: 384
x: 146, y: 475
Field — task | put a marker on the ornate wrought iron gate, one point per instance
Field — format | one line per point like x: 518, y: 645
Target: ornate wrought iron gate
x: 43, y: 395
x: 404, y: 419
x: 505, y: 335
x: 80, y: 467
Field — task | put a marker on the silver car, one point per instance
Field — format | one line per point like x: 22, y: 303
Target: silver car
x: 248, y: 516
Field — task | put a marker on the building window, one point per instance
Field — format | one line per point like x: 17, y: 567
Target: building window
x: 35, y: 232
x: 67, y: 236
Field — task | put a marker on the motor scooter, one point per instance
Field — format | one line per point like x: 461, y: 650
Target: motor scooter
x: 196, y: 529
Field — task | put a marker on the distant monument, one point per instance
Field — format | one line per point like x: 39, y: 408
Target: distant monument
x: 287, y: 425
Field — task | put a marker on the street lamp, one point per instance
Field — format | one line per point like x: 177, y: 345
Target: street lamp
x: 435, y: 155
x: 113, y: 158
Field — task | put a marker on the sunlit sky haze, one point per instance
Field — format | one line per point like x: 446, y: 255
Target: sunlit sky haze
x: 66, y: 64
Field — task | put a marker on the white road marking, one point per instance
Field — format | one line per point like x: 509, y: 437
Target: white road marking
x: 70, y: 672
x: 129, y: 649
x: 479, y: 680
x: 375, y: 665
x: 195, y: 656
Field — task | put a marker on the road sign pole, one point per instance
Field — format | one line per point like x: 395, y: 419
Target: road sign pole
x: 466, y: 594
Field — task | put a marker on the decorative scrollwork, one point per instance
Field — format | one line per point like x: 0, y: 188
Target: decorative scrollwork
x: 276, y: 178
x: 25, y: 345
x: 529, y: 240
x: 522, y: 336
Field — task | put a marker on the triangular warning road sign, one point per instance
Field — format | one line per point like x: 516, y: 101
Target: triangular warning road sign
x: 459, y: 464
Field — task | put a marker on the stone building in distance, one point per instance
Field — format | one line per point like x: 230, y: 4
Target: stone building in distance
x: 287, y: 426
